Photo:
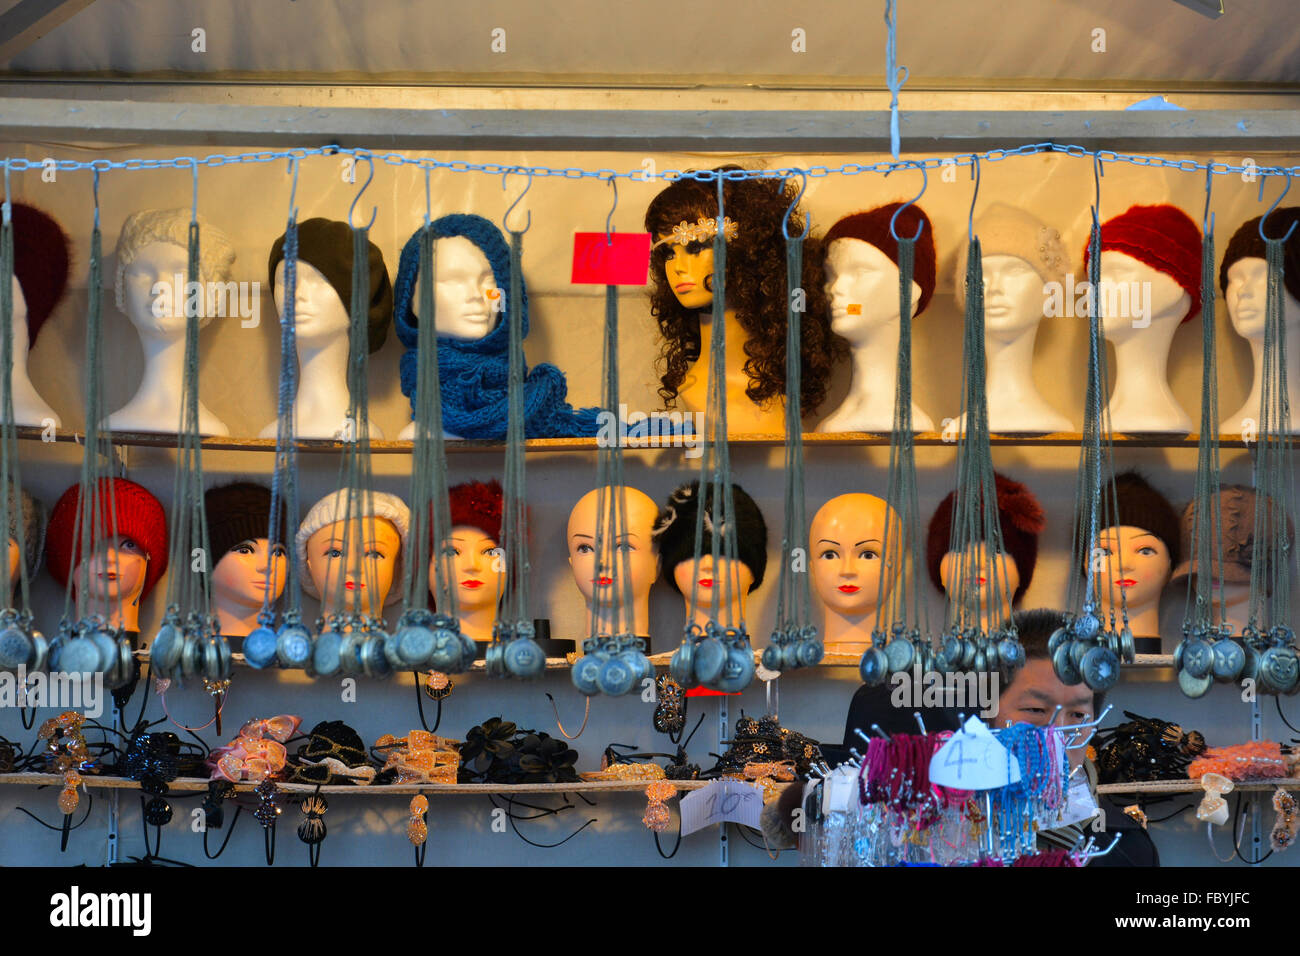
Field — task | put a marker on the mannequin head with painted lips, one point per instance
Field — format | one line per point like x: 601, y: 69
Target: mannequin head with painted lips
x: 245, y: 566
x: 635, y: 542
x: 846, y: 551
x: 476, y: 556
x: 375, y: 528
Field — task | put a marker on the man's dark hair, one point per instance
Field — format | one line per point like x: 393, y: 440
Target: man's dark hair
x: 1035, y: 629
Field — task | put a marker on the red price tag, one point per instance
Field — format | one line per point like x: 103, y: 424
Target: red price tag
x: 625, y: 261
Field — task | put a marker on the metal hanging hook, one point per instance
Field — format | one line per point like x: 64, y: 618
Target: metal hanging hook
x: 374, y: 211
x: 970, y: 218
x: 1097, y: 173
x: 1207, y: 218
x: 925, y: 182
x: 785, y: 221
x: 1276, y: 202
x: 8, y: 203
x: 609, y: 220
x: 504, y: 219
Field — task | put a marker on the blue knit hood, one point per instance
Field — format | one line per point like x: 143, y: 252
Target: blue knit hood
x: 474, y: 372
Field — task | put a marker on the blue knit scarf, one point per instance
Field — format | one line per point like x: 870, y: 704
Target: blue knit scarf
x: 474, y: 372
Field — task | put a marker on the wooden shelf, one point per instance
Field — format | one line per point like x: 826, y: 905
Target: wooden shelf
x: 540, y: 445
x: 1194, y: 786
x: 430, y: 789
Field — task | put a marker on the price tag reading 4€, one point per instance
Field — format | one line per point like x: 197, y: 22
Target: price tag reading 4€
x: 720, y: 802
x: 972, y: 759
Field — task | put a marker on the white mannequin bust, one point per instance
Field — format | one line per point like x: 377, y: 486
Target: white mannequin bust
x: 862, y: 285
x: 466, y: 296
x: 1142, y: 400
x: 1246, y: 296
x: 321, y: 326
x: 152, y: 257
x: 29, y: 407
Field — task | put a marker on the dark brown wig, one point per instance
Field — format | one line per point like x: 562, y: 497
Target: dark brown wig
x: 756, y: 288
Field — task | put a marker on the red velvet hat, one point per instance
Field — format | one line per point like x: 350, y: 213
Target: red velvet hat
x: 477, y: 504
x: 1164, y: 238
x: 873, y: 226
x: 139, y: 515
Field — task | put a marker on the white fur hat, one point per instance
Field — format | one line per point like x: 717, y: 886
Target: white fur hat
x: 332, y: 508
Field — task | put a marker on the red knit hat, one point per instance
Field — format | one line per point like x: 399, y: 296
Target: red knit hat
x: 1022, y: 521
x: 477, y: 504
x: 1164, y: 238
x: 873, y: 226
x: 139, y: 515
x: 41, y: 264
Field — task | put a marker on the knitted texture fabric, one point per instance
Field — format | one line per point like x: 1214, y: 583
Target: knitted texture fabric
x: 477, y: 504
x: 1140, y: 506
x: 1237, y: 520
x: 147, y: 226
x: 140, y: 516
x: 326, y: 244
x: 332, y: 508
x: 872, y: 226
x: 474, y: 373
x: 42, y: 260
x: 1022, y: 521
x: 32, y: 515
x: 1246, y: 244
x: 1004, y: 230
x: 1162, y: 237
x: 237, y: 512
x: 674, y: 531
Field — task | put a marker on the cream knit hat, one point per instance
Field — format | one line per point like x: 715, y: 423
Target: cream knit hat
x: 1007, y: 231
x: 333, y: 507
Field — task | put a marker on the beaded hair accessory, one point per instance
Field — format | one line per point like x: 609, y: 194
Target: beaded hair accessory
x: 66, y: 753
x: 420, y: 757
x: 656, y: 812
x: 1284, y: 828
x: 703, y: 229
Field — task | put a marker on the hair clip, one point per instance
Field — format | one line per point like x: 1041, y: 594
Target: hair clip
x: 312, y: 830
x: 420, y: 757
x: 684, y: 233
x: 656, y: 812
x: 438, y: 685
x: 417, y: 830
x: 1284, y: 828
x: 279, y: 728
x: 1137, y: 814
x: 267, y: 812
x: 1213, y: 808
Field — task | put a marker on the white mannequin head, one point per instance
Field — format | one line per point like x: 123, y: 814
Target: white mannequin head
x: 862, y: 285
x: 635, y: 541
x: 1247, y: 297
x: 466, y: 291
x: 1153, y: 297
x: 152, y: 255
x: 1013, y: 297
x: 19, y: 320
x: 320, y: 316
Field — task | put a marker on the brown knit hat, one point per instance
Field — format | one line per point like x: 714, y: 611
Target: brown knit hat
x: 1022, y: 520
x: 327, y: 245
x: 873, y: 226
x: 240, y: 511
x: 1246, y: 244
x: 1237, y: 516
x: 1140, y: 506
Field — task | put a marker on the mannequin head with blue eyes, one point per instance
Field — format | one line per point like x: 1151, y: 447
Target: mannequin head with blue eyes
x: 601, y: 577
x: 356, y: 574
x: 846, y: 556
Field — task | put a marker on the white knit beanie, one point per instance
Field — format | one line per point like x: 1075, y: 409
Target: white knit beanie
x: 333, y: 507
x: 1004, y: 230
x: 216, y: 251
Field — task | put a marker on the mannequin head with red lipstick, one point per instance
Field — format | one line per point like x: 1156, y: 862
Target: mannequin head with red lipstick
x: 846, y: 555
x: 477, y: 559
x: 1136, y: 555
x: 374, y: 526
x: 634, y: 541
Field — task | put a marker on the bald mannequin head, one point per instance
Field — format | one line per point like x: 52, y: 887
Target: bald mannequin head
x: 634, y: 540
x: 847, y: 546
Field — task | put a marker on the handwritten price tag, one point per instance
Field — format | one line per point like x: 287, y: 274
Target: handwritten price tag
x: 624, y: 262
x: 972, y: 759
x: 720, y: 802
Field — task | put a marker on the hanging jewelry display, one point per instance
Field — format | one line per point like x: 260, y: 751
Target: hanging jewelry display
x: 897, y: 641
x: 981, y: 633
x: 189, y: 643
x: 513, y: 651
x: 290, y: 646
x: 21, y: 645
x: 1273, y: 659
x: 717, y: 655
x: 1087, y: 649
x: 424, y: 639
x: 87, y: 641
x: 614, y: 659
x: 795, y: 640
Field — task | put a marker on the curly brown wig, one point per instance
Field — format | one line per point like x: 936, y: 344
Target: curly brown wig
x: 756, y: 288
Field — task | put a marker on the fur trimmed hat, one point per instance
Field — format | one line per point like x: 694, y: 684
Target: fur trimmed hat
x: 1164, y: 238
x: 674, y: 531
x: 139, y: 516
x: 332, y: 508
x: 1237, y: 520
x: 216, y: 251
x: 31, y: 513
x: 1004, y: 230
x: 872, y: 226
x: 477, y: 504
x: 1140, y: 506
x: 42, y: 261
x: 237, y: 512
x: 1022, y: 521
x: 1246, y: 244
x: 327, y: 245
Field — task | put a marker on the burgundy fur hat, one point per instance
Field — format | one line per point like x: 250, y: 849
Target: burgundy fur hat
x: 41, y: 264
x: 1022, y: 520
x: 478, y: 504
x: 873, y: 226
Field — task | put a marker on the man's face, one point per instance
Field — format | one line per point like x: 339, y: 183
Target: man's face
x: 1034, y: 695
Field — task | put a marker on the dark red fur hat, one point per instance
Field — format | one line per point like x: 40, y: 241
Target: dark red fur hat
x: 478, y: 504
x: 1022, y: 522
x: 873, y: 226
x: 41, y: 263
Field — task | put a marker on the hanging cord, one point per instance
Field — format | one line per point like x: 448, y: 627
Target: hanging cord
x: 510, y: 801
